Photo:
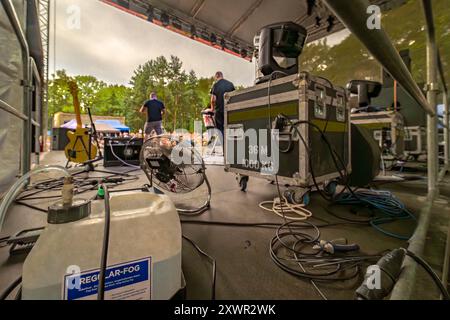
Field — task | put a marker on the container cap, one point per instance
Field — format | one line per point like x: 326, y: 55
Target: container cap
x: 60, y: 213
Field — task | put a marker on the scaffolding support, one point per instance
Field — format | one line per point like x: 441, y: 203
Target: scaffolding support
x: 44, y: 24
x: 432, y: 93
x: 446, y: 122
x: 377, y: 42
x: 405, y: 285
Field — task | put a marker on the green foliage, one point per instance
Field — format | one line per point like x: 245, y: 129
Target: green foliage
x: 184, y: 95
x: 406, y: 28
x: 103, y: 99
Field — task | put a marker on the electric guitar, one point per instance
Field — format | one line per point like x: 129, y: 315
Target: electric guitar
x: 80, y: 148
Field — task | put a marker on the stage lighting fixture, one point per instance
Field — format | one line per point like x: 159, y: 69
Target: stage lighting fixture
x: 150, y: 14
x: 176, y: 23
x: 193, y: 32
x: 281, y: 45
x: 205, y: 35
x: 330, y: 21
x: 318, y: 21
x: 165, y: 19
x: 311, y: 4
x: 213, y: 38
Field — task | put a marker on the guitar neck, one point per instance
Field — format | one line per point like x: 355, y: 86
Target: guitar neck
x: 73, y: 87
x: 76, y: 105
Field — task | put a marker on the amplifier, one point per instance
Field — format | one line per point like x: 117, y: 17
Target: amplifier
x: 59, y: 139
x: 119, y: 151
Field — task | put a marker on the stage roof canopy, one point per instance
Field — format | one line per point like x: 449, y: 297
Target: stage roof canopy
x: 232, y: 24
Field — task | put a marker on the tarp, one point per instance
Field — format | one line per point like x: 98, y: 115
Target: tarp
x: 105, y: 128
x: 100, y: 125
x: 11, y: 92
x: 115, y: 124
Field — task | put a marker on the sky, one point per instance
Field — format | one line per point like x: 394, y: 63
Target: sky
x: 110, y: 44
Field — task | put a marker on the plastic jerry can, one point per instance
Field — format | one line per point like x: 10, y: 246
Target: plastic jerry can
x: 144, y: 259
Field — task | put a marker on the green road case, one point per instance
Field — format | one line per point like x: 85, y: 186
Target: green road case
x: 299, y: 98
x: 387, y: 127
x: 415, y: 141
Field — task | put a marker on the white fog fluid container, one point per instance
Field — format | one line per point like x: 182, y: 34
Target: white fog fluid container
x: 144, y: 259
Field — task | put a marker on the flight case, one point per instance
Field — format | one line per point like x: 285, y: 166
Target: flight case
x: 301, y: 97
x: 387, y: 127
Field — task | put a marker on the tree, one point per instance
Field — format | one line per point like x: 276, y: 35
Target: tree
x: 183, y: 94
x: 406, y: 28
x: 95, y: 94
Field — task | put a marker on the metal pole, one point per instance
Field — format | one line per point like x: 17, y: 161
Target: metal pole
x: 445, y: 269
x: 446, y: 130
x: 445, y: 124
x: 432, y: 92
x: 405, y: 285
x: 27, y: 110
x: 354, y: 16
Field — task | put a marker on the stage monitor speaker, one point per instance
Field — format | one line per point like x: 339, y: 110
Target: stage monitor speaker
x: 59, y: 139
x: 126, y: 149
x: 365, y: 90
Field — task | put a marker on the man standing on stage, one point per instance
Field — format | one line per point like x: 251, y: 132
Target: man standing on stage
x: 155, y: 110
x: 221, y: 86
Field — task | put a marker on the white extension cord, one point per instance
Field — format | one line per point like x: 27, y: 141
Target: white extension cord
x: 284, y: 209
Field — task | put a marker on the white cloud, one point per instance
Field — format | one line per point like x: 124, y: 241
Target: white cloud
x: 110, y: 45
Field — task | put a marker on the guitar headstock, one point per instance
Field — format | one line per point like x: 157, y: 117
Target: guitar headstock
x: 73, y: 88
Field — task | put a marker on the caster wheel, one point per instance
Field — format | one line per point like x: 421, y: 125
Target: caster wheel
x: 330, y: 189
x: 306, y: 199
x: 243, y: 183
x: 298, y: 197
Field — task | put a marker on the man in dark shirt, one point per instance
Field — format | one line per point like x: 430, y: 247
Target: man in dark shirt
x: 221, y: 86
x: 155, y: 110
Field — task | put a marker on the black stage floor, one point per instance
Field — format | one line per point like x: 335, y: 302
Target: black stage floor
x: 244, y: 267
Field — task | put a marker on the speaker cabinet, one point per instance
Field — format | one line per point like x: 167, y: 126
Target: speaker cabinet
x: 119, y: 151
x: 59, y: 139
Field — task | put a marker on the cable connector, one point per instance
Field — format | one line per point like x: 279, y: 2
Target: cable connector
x: 389, y: 267
x: 332, y: 247
x: 67, y: 191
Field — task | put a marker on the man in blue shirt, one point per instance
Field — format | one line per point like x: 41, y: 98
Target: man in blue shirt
x: 155, y: 110
x: 219, y: 89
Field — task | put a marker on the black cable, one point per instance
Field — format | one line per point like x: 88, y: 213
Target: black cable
x: 3, y: 240
x: 431, y: 272
x: 263, y: 225
x: 104, y: 256
x: 5, y: 294
x: 81, y: 186
x: 18, y: 296
x: 354, y: 221
x: 300, y: 237
x: 213, y: 262
x: 31, y: 206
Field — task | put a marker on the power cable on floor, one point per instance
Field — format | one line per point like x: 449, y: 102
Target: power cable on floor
x: 213, y: 262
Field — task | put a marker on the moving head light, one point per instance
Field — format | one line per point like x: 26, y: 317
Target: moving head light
x: 280, y: 47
